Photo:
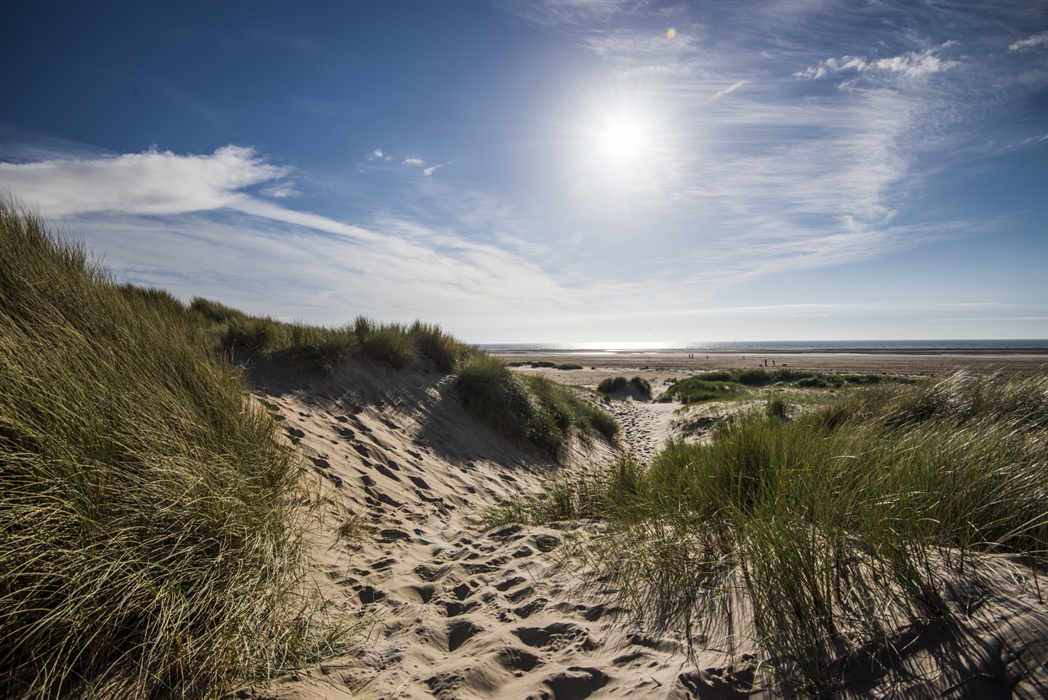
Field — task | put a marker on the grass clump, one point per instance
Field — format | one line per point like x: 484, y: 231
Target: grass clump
x: 612, y: 385
x: 528, y: 408
x: 701, y: 388
x: 831, y: 530
x: 147, y: 541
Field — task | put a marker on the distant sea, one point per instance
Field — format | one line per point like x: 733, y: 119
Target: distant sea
x: 1025, y: 346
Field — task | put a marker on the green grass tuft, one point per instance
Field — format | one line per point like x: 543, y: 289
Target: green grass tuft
x: 612, y: 385
x: 527, y: 408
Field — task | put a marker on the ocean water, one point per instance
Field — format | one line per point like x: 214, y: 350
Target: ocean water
x: 1033, y: 346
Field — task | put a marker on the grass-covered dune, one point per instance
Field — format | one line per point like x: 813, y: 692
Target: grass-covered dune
x: 150, y: 527
x: 833, y: 528
x: 148, y: 546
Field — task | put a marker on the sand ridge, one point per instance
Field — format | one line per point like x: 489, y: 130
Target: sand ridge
x: 451, y: 611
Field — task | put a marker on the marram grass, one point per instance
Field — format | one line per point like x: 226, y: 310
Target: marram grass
x: 528, y: 408
x: 830, y: 530
x: 148, y: 544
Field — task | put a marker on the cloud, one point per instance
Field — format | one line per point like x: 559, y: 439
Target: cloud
x: 377, y: 155
x: 1032, y: 42
x: 412, y: 161
x: 728, y: 90
x: 153, y: 182
x: 431, y: 170
x: 554, y: 13
x: 912, y: 64
x: 281, y: 191
x: 186, y: 223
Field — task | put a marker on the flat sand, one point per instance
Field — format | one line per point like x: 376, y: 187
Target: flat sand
x: 678, y: 364
x: 447, y: 609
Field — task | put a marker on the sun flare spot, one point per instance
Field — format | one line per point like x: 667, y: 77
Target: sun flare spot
x: 622, y: 140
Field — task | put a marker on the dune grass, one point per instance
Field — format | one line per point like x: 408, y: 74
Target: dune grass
x: 831, y: 530
x: 148, y: 537
x: 613, y: 384
x: 527, y: 408
x: 728, y: 384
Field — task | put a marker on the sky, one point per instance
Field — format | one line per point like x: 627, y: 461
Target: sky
x: 558, y: 171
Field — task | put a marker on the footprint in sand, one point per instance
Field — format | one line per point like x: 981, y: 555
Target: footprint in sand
x: 556, y: 636
x: 460, y: 632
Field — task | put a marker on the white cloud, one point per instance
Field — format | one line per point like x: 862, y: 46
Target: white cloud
x: 153, y: 182
x: 412, y: 161
x: 431, y: 170
x: 280, y: 191
x: 912, y: 64
x: 377, y: 155
x: 1032, y: 42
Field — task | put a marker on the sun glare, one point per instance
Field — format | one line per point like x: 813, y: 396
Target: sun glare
x: 622, y: 140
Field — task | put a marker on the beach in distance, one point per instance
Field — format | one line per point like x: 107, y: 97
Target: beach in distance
x: 1019, y: 356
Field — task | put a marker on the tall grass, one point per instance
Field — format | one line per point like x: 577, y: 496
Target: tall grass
x: 148, y: 546
x: 831, y: 530
x: 528, y: 408
x: 322, y: 348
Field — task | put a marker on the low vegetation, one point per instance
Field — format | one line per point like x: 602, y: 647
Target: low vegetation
x: 528, y: 408
x: 831, y: 529
x: 542, y: 364
x: 148, y: 536
x: 729, y: 384
x: 611, y: 386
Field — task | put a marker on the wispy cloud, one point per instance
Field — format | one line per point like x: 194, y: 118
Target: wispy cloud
x: 556, y: 13
x: 430, y: 170
x: 1031, y: 42
x: 377, y: 155
x: 413, y: 161
x: 280, y: 191
x: 728, y: 90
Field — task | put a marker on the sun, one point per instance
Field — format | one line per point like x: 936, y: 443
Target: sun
x: 621, y: 140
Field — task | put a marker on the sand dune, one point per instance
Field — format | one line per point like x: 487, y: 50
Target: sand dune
x: 451, y: 611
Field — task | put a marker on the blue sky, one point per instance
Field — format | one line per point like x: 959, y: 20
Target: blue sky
x: 558, y: 171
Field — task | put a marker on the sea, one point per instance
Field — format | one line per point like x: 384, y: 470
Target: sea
x: 1021, y: 346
